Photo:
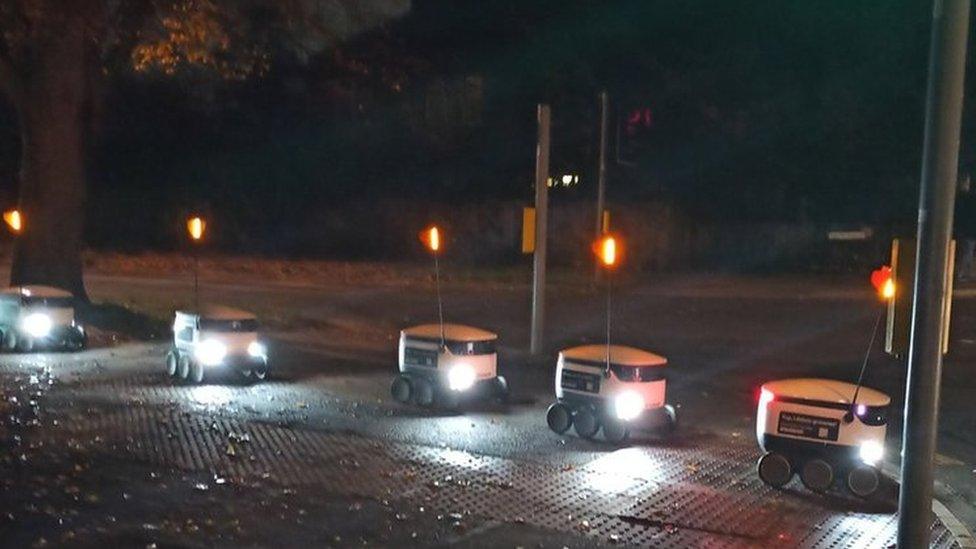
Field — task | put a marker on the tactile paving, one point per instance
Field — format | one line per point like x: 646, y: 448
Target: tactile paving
x: 706, y: 496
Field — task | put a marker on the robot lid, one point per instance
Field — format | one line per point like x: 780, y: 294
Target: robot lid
x: 452, y: 332
x: 218, y: 312
x: 827, y: 391
x: 37, y: 290
x: 620, y: 355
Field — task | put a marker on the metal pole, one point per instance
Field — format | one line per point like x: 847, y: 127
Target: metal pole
x: 601, y: 181
x: 440, y: 302
x: 541, y: 206
x: 867, y: 357
x: 196, y: 279
x: 940, y: 156
x: 609, y: 309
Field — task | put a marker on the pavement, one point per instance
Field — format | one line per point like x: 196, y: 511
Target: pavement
x: 101, y: 447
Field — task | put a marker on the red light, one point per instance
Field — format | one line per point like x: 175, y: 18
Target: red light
x: 639, y: 118
x: 766, y: 396
x: 879, y: 276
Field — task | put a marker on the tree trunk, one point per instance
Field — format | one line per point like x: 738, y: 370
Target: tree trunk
x: 53, y: 113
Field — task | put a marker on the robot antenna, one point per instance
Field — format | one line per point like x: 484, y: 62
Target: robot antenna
x: 867, y: 356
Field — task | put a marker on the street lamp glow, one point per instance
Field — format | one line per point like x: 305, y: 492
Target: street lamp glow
x: 13, y: 220
x: 196, y: 226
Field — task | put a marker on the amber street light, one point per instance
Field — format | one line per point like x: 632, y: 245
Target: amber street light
x: 431, y: 237
x: 14, y: 220
x: 196, y: 226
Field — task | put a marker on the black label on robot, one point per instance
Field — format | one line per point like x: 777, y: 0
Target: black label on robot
x: 419, y: 357
x: 578, y: 381
x: 799, y: 425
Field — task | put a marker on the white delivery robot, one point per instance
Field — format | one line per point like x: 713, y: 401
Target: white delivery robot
x: 39, y: 317
x: 443, y: 365
x: 823, y: 430
x: 625, y: 393
x: 216, y: 338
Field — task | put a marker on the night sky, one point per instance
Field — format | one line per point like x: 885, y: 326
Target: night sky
x: 756, y: 111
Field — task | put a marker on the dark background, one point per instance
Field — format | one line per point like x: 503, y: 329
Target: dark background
x: 741, y: 114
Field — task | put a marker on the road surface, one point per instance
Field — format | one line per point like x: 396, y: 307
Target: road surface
x: 341, y: 464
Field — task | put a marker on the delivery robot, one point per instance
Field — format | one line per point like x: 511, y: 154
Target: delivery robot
x: 38, y: 317
x: 619, y: 395
x: 444, y: 365
x: 824, y: 430
x: 216, y: 338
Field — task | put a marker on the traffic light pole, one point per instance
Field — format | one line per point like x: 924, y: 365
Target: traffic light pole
x: 541, y: 225
x: 940, y: 156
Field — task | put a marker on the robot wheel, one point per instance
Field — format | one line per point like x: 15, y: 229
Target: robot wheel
x: 559, y: 417
x: 423, y: 392
x: 775, y: 470
x: 172, y: 361
x: 586, y: 422
x: 615, y: 431
x: 863, y: 481
x: 817, y: 475
x: 401, y: 389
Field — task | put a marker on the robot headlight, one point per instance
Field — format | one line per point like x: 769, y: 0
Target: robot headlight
x: 37, y: 325
x: 871, y: 452
x: 460, y: 377
x: 628, y: 405
x: 257, y: 349
x: 210, y: 352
